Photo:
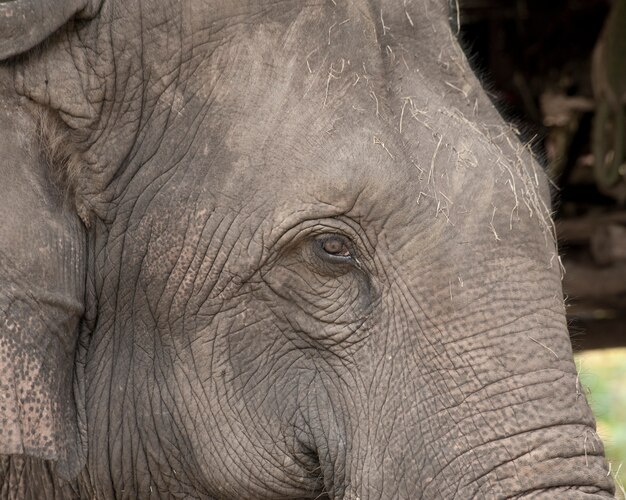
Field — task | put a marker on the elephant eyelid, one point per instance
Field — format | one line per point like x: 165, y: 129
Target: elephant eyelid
x: 335, y: 247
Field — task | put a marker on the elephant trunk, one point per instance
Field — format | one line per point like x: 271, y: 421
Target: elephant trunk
x: 473, y: 429
x: 545, y: 470
x: 562, y: 462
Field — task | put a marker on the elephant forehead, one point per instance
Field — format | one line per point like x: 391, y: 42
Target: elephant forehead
x: 282, y: 98
x: 317, y: 168
x: 358, y: 164
x: 292, y: 104
x: 302, y: 114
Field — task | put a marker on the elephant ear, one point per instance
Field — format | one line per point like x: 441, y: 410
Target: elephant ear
x: 42, y: 289
x: 25, y: 23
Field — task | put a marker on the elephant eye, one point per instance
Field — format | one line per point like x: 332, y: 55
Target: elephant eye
x: 335, y: 246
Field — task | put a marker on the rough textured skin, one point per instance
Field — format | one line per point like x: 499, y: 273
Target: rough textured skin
x: 42, y: 289
x: 25, y: 477
x: 24, y: 23
x: 318, y: 265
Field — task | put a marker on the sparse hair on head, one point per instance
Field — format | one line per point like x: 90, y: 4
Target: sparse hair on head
x: 60, y: 151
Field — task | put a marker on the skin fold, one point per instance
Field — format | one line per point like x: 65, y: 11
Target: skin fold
x: 276, y: 250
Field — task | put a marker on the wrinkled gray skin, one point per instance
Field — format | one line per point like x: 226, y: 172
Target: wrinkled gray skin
x: 301, y: 256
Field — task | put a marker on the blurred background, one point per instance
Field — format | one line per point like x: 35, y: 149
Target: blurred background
x: 557, y: 70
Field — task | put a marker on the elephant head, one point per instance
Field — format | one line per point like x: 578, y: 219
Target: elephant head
x: 274, y: 250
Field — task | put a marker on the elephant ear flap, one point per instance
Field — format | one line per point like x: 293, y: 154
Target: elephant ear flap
x: 25, y: 23
x: 42, y: 289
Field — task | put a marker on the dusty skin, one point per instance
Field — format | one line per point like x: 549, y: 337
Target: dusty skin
x: 274, y: 250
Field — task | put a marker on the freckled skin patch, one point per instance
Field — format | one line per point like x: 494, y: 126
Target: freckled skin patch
x: 317, y: 265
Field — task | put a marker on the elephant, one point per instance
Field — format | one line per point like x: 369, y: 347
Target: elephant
x: 274, y: 250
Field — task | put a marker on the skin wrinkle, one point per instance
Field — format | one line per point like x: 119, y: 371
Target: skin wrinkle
x: 328, y: 311
x: 176, y: 406
x: 426, y: 400
x: 494, y: 410
x: 528, y: 451
x: 225, y: 447
x: 553, y: 489
x: 213, y: 258
x: 184, y: 273
x: 145, y: 446
x: 523, y: 432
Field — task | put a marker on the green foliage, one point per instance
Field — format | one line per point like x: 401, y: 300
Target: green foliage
x: 603, y: 374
